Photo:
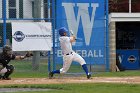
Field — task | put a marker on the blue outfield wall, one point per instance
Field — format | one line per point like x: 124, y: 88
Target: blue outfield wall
x: 87, y: 20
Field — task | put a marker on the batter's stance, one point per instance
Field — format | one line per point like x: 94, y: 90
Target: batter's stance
x: 68, y: 54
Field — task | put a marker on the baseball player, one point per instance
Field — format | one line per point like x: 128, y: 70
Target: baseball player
x: 68, y: 54
x: 5, y: 57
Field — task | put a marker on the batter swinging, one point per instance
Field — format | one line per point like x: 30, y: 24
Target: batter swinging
x: 68, y: 54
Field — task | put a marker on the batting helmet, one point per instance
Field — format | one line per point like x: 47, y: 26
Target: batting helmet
x: 6, y: 48
x: 62, y: 30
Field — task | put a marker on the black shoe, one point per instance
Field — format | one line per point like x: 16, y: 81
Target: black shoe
x: 6, y: 78
x: 1, y: 76
x: 88, y: 76
x: 50, y: 75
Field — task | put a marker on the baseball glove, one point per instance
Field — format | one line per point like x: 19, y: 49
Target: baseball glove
x: 28, y: 54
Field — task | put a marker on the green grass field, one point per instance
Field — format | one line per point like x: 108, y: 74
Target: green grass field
x: 24, y: 70
x: 82, y: 88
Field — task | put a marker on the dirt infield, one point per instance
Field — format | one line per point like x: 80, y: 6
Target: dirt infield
x: 134, y: 80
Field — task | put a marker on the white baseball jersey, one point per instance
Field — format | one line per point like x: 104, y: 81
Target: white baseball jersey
x: 68, y: 54
x: 65, y: 44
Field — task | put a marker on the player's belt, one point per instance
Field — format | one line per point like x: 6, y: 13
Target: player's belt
x: 69, y: 53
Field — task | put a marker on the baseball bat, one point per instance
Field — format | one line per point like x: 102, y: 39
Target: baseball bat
x: 76, y: 37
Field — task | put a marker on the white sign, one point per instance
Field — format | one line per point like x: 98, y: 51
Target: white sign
x: 31, y: 36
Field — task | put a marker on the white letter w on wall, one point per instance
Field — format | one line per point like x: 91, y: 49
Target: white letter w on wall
x: 83, y: 13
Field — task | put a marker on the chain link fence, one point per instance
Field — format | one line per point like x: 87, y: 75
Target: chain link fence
x: 25, y: 11
x: 46, y: 11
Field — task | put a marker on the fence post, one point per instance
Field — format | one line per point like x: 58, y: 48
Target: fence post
x: 49, y: 54
x: 107, y: 36
x: 37, y: 14
x: 53, y: 25
x: 4, y: 21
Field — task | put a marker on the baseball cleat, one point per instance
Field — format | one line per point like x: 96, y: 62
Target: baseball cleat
x: 5, y: 78
x: 88, y: 76
x: 50, y: 75
x: 1, y: 77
